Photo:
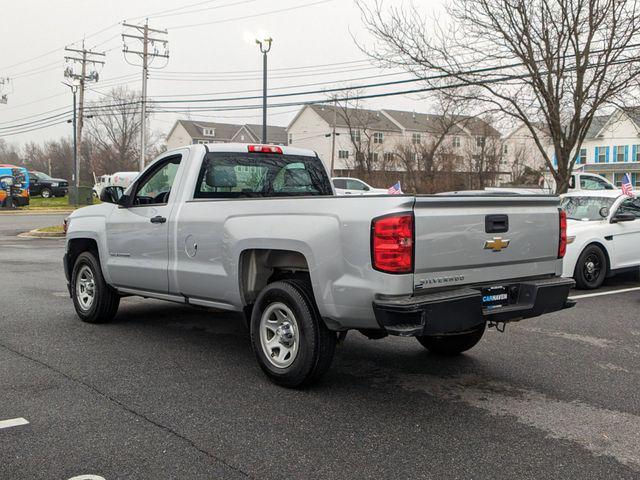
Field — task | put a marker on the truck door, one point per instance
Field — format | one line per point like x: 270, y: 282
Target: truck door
x: 137, y: 234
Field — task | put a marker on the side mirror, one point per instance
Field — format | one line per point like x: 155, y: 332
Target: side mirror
x: 623, y: 217
x: 111, y: 194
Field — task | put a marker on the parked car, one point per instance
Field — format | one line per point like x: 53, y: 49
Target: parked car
x: 120, y: 179
x: 46, y: 186
x: 257, y: 229
x: 603, y: 229
x: 355, y: 186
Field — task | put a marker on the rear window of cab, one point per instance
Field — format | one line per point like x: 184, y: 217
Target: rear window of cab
x: 253, y: 175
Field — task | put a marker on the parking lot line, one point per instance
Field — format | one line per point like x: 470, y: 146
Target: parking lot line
x: 14, y: 422
x: 599, y: 294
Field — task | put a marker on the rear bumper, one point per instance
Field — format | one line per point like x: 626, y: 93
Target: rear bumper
x: 460, y: 310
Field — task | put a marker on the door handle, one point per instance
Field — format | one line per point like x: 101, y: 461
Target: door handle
x: 158, y: 219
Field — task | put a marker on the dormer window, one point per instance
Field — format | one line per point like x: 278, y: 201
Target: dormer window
x: 209, y: 132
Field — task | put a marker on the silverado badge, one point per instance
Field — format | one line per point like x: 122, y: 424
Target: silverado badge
x: 497, y: 244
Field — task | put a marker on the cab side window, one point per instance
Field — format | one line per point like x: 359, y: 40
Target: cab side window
x: 355, y: 185
x: 156, y: 187
x: 630, y: 206
x: 340, y: 183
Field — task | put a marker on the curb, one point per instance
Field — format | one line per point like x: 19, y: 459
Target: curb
x: 35, y: 212
x: 38, y: 234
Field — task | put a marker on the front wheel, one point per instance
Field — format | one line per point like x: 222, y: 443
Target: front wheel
x: 591, y: 268
x: 93, y: 299
x: 452, y: 344
x: 292, y: 344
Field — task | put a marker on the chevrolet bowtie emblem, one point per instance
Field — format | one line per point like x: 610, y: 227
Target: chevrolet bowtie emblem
x: 497, y: 244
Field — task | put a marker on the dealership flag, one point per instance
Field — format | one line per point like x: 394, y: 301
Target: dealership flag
x: 395, y: 190
x: 627, y: 187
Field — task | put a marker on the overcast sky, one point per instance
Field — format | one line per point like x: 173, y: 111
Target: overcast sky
x: 313, y: 33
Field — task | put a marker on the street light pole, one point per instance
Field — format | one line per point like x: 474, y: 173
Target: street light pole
x: 76, y: 180
x: 265, y: 47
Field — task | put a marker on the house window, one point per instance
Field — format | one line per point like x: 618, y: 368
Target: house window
x: 636, y: 153
x: 375, y: 156
x: 416, y: 138
x: 202, y: 142
x: 505, y: 149
x: 378, y: 137
x: 343, y: 154
x: 456, y: 142
x: 356, y: 137
x: 209, y: 132
x: 582, y: 157
x: 602, y: 155
x: 388, y: 156
x: 620, y: 153
x: 290, y: 138
x: 617, y: 179
x: 480, y: 142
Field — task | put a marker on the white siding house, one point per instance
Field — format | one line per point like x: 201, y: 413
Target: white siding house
x: 611, y: 147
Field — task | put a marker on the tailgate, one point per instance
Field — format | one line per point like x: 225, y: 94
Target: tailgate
x: 482, y: 239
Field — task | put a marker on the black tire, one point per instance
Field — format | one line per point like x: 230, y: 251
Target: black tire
x: 106, y: 300
x: 316, y: 343
x: 46, y: 193
x: 452, y: 344
x: 591, y: 268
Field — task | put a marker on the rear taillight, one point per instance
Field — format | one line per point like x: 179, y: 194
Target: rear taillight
x: 392, y: 243
x: 265, y: 149
x: 562, y: 244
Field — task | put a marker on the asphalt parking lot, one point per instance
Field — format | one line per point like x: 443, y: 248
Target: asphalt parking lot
x: 171, y: 392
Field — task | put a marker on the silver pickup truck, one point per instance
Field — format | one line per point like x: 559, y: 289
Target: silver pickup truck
x: 258, y: 229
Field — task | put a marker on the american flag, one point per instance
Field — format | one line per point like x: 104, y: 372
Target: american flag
x: 395, y: 189
x: 627, y: 187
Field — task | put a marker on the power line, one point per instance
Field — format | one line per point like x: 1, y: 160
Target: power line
x: 245, y: 17
x: 503, y: 78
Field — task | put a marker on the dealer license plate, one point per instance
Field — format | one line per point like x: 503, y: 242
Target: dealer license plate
x: 495, y: 297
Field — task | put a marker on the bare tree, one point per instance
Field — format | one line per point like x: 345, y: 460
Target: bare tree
x: 483, y: 157
x: 363, y: 126
x: 555, y: 62
x: 114, y: 132
x: 9, y: 153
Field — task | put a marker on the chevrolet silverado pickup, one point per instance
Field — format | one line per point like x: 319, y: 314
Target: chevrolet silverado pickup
x: 258, y: 229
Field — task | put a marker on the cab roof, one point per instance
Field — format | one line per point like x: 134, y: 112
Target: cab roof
x: 244, y: 148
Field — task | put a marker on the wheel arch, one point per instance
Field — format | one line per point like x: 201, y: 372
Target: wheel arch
x: 257, y: 267
x: 76, y: 246
x: 599, y: 244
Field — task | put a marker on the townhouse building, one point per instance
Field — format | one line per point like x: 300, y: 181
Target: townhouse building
x: 187, y: 132
x: 383, y: 134
x: 611, y: 147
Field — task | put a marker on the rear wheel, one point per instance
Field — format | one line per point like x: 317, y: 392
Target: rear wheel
x: 93, y: 299
x: 452, y: 344
x: 591, y: 268
x: 292, y: 344
x: 46, y: 193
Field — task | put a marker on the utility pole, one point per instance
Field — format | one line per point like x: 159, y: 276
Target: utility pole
x: 84, y: 57
x: 143, y: 35
x: 265, y: 47
x: 333, y: 136
x: 3, y: 96
x: 76, y: 169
